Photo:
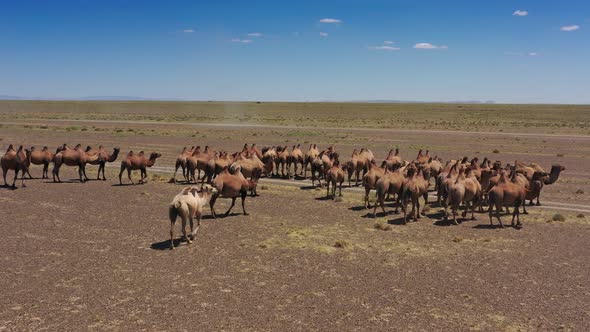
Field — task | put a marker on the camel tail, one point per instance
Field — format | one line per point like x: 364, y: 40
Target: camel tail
x: 173, y: 212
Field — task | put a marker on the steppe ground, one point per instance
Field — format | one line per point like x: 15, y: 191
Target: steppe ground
x: 94, y: 256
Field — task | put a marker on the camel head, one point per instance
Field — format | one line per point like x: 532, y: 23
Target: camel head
x: 207, y: 189
x: 554, y: 174
x: 10, y: 148
x: 155, y: 155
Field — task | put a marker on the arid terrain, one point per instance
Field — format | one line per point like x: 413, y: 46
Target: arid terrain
x: 94, y: 256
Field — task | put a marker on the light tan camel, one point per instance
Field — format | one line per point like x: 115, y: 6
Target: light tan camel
x: 137, y: 162
x: 466, y: 189
x: 297, y: 159
x: 393, y: 159
x: 282, y: 160
x: 189, y: 204
x: 358, y: 163
x: 18, y: 161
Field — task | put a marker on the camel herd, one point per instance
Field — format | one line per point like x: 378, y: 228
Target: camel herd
x: 20, y: 161
x: 464, y: 182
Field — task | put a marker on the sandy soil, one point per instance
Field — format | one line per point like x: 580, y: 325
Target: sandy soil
x: 94, y: 256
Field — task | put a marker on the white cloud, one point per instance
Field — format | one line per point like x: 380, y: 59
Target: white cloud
x: 570, y: 28
x: 520, y: 13
x: 533, y: 54
x: 389, y: 42
x: 254, y: 34
x: 429, y: 46
x: 242, y: 41
x: 188, y: 30
x: 330, y: 20
x: 324, y: 34
x: 385, y: 48
x: 513, y: 53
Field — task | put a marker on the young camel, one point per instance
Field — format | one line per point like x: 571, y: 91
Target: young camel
x: 181, y: 163
x: 506, y: 193
x: 103, y: 158
x: 137, y: 162
x: 390, y: 183
x: 335, y: 175
x: 415, y: 185
x: 73, y: 157
x: 188, y: 205
x: 19, y: 160
x: 232, y: 186
x: 42, y: 157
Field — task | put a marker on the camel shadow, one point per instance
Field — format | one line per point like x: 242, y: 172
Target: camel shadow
x: 398, y: 221
x: 165, y: 245
x: 308, y: 187
x: 357, y: 208
x: 324, y: 198
x: 494, y: 226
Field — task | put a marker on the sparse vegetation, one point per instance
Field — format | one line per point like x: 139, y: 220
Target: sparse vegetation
x: 496, y: 151
x: 580, y: 215
x: 382, y: 226
x: 558, y: 217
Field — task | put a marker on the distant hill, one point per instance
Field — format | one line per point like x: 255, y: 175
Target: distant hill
x: 91, y: 98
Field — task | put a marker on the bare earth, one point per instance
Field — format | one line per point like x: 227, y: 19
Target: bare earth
x: 94, y: 256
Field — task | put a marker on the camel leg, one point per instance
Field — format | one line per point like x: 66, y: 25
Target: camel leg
x: 367, y: 204
x: 244, y: 203
x: 172, y: 222
x: 233, y: 202
x: 498, y: 206
x: 84, y: 173
x: 212, y: 204
x: 129, y: 175
x: 425, y: 196
x: 15, y: 177
x: 29, y: 174
x: 4, y: 170
x: 55, y: 172
x: 538, y: 203
x: 121, y: 174
x: 328, y: 189
x: 417, y: 213
x: 196, y: 229
x: 524, y: 211
x: 184, y: 220
x: 340, y: 189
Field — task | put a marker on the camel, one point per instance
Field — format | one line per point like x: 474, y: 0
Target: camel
x: 256, y: 151
x: 297, y: 157
x: 232, y: 186
x: 370, y: 179
x: 103, y: 158
x: 73, y: 157
x: 250, y: 167
x: 433, y: 168
x: 390, y: 183
x: 423, y: 158
x: 181, y: 160
x: 188, y: 204
x: 359, y: 163
x: 42, y: 157
x: 415, y: 185
x: 269, y: 156
x: 18, y: 160
x: 321, y: 164
x: 335, y: 175
x: 506, y: 193
x: 137, y: 162
x: 446, y: 176
x: 199, y: 161
x: 283, y: 160
x: 393, y: 159
x: 533, y: 171
x: 310, y: 156
x: 220, y: 161
x: 465, y: 189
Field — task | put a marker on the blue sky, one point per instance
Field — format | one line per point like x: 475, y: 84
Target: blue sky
x: 507, y: 51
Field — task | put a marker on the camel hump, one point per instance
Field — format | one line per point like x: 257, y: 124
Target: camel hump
x: 141, y: 153
x: 130, y: 153
x: 20, y: 148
